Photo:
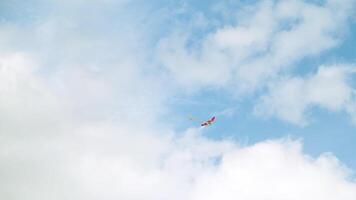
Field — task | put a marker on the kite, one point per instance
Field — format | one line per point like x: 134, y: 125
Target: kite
x: 208, y: 122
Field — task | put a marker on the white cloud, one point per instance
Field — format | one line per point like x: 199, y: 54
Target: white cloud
x: 274, y: 170
x: 290, y: 97
x: 24, y: 96
x: 210, y: 67
x: 95, y: 65
x: 100, y: 161
x: 267, y: 37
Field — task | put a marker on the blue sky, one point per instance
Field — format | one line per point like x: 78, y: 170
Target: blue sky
x: 328, y: 131
x: 96, y: 96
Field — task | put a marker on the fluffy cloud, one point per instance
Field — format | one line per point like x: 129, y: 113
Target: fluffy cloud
x: 328, y: 88
x: 266, y: 41
x: 24, y: 97
x: 268, y: 37
x: 97, y: 161
x: 274, y: 170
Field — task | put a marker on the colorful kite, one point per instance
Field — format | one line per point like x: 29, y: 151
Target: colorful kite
x: 209, y: 122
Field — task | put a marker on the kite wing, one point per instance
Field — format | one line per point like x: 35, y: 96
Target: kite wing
x: 212, y: 119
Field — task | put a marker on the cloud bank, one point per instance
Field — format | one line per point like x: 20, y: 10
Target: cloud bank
x: 98, y: 161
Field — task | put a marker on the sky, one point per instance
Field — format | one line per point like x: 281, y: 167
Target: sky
x: 103, y: 99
